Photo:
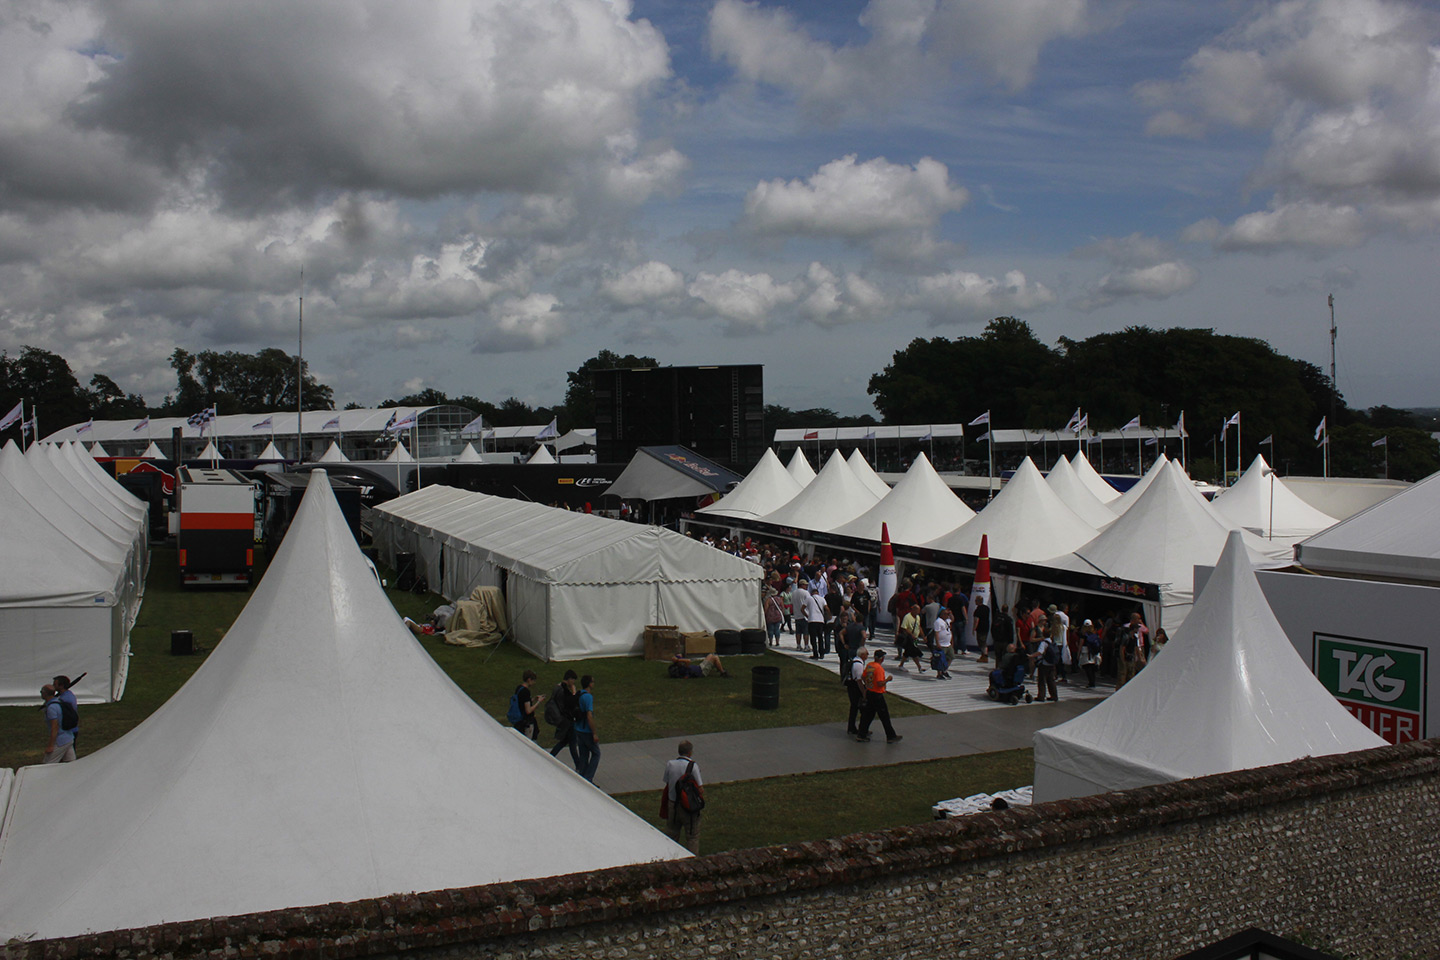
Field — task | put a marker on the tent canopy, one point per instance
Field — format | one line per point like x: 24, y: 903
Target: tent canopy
x: 542, y: 454
x: 1228, y: 692
x: 832, y: 499
x: 1398, y: 538
x: 1077, y: 496
x: 333, y: 454
x: 210, y: 808
x: 666, y: 472
x: 1095, y: 483
x: 1262, y: 503
x: 920, y: 504
x: 400, y: 454
x: 866, y: 473
x: 152, y: 452
x: 1127, y: 499
x: 800, y: 468
x: 1026, y: 522
x: 469, y: 454
x: 765, y: 489
x: 271, y: 453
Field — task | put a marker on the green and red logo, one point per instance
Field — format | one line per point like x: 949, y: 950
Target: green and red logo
x: 1381, y: 684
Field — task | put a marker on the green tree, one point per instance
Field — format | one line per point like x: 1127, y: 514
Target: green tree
x: 1413, y: 454
x: 45, y: 382
x: 109, y: 402
x: 579, y: 406
x: 242, y: 382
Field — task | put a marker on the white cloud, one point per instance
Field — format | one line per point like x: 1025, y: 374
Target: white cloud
x: 833, y: 301
x: 1314, y: 226
x: 1141, y: 267
x: 747, y: 302
x: 525, y: 323
x: 647, y: 284
x: 964, y: 297
x: 855, y: 200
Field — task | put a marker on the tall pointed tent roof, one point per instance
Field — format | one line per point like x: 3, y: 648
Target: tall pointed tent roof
x: 399, y: 454
x: 832, y: 499
x: 98, y: 451
x: 211, y: 452
x: 86, y: 467
x: 862, y: 469
x: 1095, y: 483
x: 469, y: 455
x: 206, y: 809
x: 105, y: 543
x: 1229, y: 686
x: 542, y: 454
x: 1025, y: 522
x: 1261, y: 503
x: 1077, y: 496
x: 271, y: 452
x: 1398, y: 538
x: 800, y: 468
x: 333, y: 454
x: 920, y: 504
x: 765, y: 489
x: 152, y: 452
x: 41, y: 563
x: 1127, y: 499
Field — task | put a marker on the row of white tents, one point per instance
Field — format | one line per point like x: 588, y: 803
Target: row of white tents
x: 1070, y: 521
x: 576, y: 585
x: 74, y: 551
x: 318, y: 755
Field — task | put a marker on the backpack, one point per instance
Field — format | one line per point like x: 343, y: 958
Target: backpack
x: 688, y: 793
x: 1051, y: 656
x: 69, y: 716
x: 553, y: 714
x: 514, y: 714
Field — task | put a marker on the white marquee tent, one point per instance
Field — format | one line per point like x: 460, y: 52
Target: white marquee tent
x: 212, y: 806
x: 1228, y: 692
x: 542, y: 455
x: 835, y: 497
x: 920, y: 504
x: 1077, y: 496
x: 1095, y: 483
x: 866, y: 473
x: 153, y: 452
x: 333, y: 454
x: 1127, y: 499
x: 271, y: 453
x: 1261, y: 503
x: 469, y: 455
x: 765, y: 489
x: 800, y: 468
x: 211, y: 452
x: 98, y: 451
x: 1396, y: 539
x: 400, y: 454
x: 576, y: 585
x: 1025, y: 522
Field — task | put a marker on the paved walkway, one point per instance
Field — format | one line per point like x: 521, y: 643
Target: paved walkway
x: 970, y: 723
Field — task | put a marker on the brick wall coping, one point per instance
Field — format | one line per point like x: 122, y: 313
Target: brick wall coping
x: 444, y: 918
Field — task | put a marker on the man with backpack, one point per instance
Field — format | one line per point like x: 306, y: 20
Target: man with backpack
x: 1047, y: 653
x: 561, y: 712
x: 684, y: 798
x: 61, y: 719
x: 62, y: 686
x: 522, y: 706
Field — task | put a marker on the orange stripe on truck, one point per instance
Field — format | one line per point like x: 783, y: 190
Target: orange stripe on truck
x: 217, y: 521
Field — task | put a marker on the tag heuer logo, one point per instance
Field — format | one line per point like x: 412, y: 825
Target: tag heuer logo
x: 1381, y: 684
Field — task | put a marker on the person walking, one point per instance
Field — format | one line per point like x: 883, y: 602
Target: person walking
x: 63, y: 685
x: 1047, y: 660
x: 587, y: 744
x: 1002, y: 632
x: 527, y: 702
x: 874, y: 678
x: 855, y: 689
x: 774, y: 616
x: 59, y: 744
x: 683, y: 787
x: 561, y: 712
x: 944, y: 640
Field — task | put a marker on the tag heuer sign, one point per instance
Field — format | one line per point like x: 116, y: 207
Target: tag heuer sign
x: 1381, y: 684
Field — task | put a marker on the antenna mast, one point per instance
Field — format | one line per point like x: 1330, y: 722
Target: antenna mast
x: 300, y: 377
x: 1334, y: 384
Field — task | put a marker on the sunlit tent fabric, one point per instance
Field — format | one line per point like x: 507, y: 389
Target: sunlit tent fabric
x: 333, y: 454
x: 800, y: 468
x: 835, y: 497
x: 576, y: 585
x: 667, y: 472
x: 1077, y: 496
x: 211, y: 807
x: 1025, y: 522
x: 867, y: 475
x: 152, y: 452
x: 1397, y: 539
x: 1095, y: 483
x: 271, y: 452
x: 1262, y: 503
x: 919, y: 505
x: 211, y: 452
x: 542, y: 454
x: 85, y: 487
x: 400, y: 454
x: 1228, y: 692
x: 766, y: 488
x: 1160, y: 540
x: 469, y: 455
x: 1127, y: 499
x: 97, y: 451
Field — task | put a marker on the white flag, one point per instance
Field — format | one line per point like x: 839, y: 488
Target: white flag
x: 263, y: 424
x: 142, y: 425
x: 551, y: 431
x: 404, y: 423
x: 476, y: 426
x: 1073, y: 424
x: 13, y: 415
x: 332, y: 423
x: 1270, y: 440
x: 1180, y: 425
x: 1132, y: 425
x: 1083, y: 425
x: 1320, y: 429
x: 983, y: 418
x: 85, y: 426
x: 1150, y: 442
x: 1382, y: 442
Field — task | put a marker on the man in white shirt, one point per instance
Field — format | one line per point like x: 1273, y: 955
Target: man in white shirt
x: 679, y: 819
x: 944, y: 639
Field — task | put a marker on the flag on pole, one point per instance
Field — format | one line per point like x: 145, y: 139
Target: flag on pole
x: 1233, y: 421
x: 1320, y: 429
x: 984, y: 418
x: 1180, y: 425
x: 265, y: 424
x: 14, y: 415
x: 812, y: 435
x: 333, y: 422
x: 1382, y: 442
x: 1073, y: 424
x: 929, y: 435
x: 84, y: 427
x: 30, y: 426
x: 1132, y: 425
x: 391, y: 422
x: 1270, y: 440
x: 201, y: 418
x: 142, y: 425
x: 1083, y: 424
x: 983, y: 436
x: 476, y: 426
x: 1150, y: 442
x: 551, y: 431
x: 404, y: 423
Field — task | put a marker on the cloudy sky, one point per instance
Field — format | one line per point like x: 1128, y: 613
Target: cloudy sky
x: 484, y: 194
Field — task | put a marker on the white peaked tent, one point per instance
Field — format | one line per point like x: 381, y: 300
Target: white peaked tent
x: 152, y: 452
x: 1161, y: 539
x: 209, y: 809
x: 918, y: 506
x: 1261, y: 503
x: 1077, y: 496
x: 211, y: 452
x: 333, y: 454
x: 1025, y: 522
x: 800, y: 468
x: 765, y: 489
x: 71, y: 456
x: 1398, y: 539
x: 97, y: 451
x: 399, y: 454
x: 1229, y: 692
x: 469, y: 455
x: 1095, y: 483
x: 271, y: 452
x: 835, y: 497
x: 862, y: 469
x: 1127, y: 499
x: 542, y: 455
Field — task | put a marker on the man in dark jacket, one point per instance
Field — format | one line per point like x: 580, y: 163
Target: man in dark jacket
x: 1002, y: 631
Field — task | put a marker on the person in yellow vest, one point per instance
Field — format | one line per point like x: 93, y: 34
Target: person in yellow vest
x: 874, y: 678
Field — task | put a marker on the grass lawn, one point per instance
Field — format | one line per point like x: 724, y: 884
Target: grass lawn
x: 636, y: 700
x: 815, y: 806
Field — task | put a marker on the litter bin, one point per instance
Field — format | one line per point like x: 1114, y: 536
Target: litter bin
x: 182, y: 643
x: 765, y: 688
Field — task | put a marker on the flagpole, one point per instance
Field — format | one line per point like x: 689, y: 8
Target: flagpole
x: 990, y: 452
x: 1225, y: 454
x: 299, y: 377
x: 1238, y: 440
